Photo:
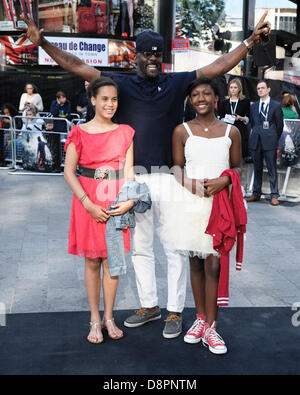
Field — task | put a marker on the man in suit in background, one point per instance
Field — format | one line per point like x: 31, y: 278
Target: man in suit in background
x: 266, y: 120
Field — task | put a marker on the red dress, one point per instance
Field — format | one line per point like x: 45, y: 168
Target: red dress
x: 105, y: 150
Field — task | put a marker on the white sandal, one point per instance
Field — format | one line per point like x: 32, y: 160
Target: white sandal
x: 95, y: 324
x: 112, y: 322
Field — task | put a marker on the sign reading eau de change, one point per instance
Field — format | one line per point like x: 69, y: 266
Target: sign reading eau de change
x: 93, y: 51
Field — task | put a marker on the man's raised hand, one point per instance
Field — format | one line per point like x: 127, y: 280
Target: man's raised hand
x: 31, y: 32
x: 258, y: 30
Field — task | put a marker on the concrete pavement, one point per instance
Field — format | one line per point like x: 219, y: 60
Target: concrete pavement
x: 38, y: 275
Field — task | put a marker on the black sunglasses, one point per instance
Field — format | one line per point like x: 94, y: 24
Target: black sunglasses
x: 148, y: 54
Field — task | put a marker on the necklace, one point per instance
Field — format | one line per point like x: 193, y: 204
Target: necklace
x: 206, y: 129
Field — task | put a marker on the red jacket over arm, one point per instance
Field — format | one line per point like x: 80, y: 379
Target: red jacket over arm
x: 227, y: 225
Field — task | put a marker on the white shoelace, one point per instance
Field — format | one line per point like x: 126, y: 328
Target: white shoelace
x: 196, y: 328
x: 212, y: 336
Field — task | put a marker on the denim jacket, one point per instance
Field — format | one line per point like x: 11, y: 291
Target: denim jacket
x: 139, y: 193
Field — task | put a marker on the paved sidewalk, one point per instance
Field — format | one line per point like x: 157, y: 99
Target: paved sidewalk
x: 38, y: 275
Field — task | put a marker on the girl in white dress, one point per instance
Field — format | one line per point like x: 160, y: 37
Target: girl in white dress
x: 202, y: 149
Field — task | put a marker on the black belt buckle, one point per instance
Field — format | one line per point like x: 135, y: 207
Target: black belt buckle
x: 101, y: 174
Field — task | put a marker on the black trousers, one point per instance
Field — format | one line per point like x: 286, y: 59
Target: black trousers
x: 244, y: 137
x: 258, y: 157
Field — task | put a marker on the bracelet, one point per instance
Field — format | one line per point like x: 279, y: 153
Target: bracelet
x: 83, y: 197
x: 247, y: 44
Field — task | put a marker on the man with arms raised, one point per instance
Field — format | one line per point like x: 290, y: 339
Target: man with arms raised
x: 153, y: 104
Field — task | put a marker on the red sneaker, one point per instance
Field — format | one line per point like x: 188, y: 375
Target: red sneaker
x: 194, y: 334
x: 213, y: 340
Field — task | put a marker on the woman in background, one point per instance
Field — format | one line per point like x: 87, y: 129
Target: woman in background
x: 30, y: 96
x: 235, y: 110
x: 288, y: 107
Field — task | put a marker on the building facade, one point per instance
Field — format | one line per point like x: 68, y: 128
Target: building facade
x: 233, y: 21
x: 102, y: 33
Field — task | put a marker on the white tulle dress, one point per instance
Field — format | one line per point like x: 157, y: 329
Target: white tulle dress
x: 185, y: 215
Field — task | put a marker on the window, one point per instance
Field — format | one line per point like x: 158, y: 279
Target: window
x: 10, y: 11
x: 113, y: 17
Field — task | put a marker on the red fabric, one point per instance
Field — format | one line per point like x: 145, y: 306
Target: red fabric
x: 227, y: 224
x: 105, y: 150
x: 86, y: 20
x: 93, y: 18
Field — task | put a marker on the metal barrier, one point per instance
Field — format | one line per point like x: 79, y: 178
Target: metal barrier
x: 48, y: 114
x: 30, y: 149
x: 78, y: 121
x: 7, y: 140
x: 45, y: 114
x: 291, y: 126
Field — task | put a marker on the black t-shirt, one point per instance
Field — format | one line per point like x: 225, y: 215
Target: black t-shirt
x: 153, y: 108
x: 83, y: 100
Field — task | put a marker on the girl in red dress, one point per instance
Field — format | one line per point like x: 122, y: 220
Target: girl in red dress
x: 102, y: 144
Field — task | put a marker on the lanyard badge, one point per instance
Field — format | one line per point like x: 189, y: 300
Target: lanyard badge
x: 266, y: 125
x: 265, y: 116
x: 233, y: 109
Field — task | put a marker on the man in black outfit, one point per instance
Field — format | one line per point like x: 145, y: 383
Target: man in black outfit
x: 266, y: 120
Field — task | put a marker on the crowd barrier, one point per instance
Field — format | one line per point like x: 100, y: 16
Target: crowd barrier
x: 47, y: 115
x: 41, y: 151
x: 30, y: 144
x: 7, y: 139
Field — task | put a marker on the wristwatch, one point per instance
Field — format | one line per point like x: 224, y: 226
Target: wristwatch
x: 247, y: 44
